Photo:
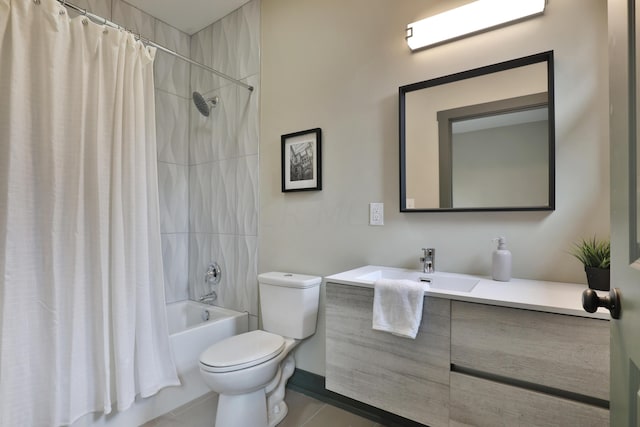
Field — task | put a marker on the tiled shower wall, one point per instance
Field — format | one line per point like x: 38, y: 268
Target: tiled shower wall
x: 207, y: 168
x: 223, y: 159
x: 172, y: 128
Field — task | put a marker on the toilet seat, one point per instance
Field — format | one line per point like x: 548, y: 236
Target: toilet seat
x: 241, y: 351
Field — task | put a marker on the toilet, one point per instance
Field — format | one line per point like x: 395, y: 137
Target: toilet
x: 250, y: 371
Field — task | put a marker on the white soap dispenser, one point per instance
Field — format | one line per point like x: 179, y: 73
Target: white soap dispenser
x: 501, y: 261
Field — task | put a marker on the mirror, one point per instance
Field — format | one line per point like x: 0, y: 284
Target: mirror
x: 480, y: 140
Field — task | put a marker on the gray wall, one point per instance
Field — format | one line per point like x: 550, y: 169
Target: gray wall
x: 338, y: 65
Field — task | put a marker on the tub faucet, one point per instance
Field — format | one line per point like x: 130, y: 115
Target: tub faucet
x: 428, y: 260
x: 208, y: 298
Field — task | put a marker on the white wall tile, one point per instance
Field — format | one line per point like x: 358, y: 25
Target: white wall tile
x: 225, y: 53
x: 247, y: 177
x: 214, y: 137
x: 248, y: 39
x: 200, y: 215
x: 172, y: 38
x: 224, y: 123
x: 246, y: 276
x: 224, y: 162
x: 238, y: 289
x: 173, y: 197
x: 171, y: 73
x: 172, y: 128
x: 223, y: 206
x: 199, y: 259
x: 133, y: 19
x: 175, y: 251
x: 97, y: 7
x: 204, y: 249
x: 248, y: 117
x: 213, y: 198
x: 201, y: 135
x: 202, y: 51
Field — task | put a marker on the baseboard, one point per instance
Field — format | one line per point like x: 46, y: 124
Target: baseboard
x: 313, y: 385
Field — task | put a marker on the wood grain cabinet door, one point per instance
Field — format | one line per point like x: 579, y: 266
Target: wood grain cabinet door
x: 406, y: 377
x: 483, y: 403
x: 566, y: 353
x: 527, y: 368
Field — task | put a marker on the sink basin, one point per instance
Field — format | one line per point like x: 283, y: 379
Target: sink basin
x: 452, y: 283
x: 437, y: 280
x: 392, y: 274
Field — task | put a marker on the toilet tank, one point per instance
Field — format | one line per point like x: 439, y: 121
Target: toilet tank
x: 289, y: 303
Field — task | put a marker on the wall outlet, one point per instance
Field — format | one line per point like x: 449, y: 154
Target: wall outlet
x: 376, y: 213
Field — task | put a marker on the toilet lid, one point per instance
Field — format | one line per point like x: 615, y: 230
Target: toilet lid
x: 241, y: 351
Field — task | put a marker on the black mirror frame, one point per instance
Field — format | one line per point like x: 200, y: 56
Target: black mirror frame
x: 493, y: 68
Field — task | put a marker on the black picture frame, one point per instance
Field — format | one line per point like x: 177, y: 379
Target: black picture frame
x: 302, y: 161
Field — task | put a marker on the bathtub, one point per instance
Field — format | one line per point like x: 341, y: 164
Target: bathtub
x: 192, y: 328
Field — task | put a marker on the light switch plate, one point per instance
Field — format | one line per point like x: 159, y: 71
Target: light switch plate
x: 376, y: 213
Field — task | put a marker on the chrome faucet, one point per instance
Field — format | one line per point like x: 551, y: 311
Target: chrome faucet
x: 428, y: 260
x: 208, y: 298
x: 211, y: 278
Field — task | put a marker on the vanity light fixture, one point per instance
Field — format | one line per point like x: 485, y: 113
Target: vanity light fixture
x: 471, y: 18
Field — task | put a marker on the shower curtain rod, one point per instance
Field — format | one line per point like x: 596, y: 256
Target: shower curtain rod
x: 103, y: 21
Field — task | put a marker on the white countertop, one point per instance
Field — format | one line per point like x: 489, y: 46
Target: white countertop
x: 551, y: 297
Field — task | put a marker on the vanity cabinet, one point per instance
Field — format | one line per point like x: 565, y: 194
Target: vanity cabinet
x: 407, y: 377
x: 515, y: 367
x: 471, y: 364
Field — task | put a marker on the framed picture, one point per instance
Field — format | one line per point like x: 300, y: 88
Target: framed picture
x: 301, y: 161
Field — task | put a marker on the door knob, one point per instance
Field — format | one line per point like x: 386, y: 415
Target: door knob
x: 591, y: 301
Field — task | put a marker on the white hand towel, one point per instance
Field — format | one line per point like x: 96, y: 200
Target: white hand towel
x: 397, y: 306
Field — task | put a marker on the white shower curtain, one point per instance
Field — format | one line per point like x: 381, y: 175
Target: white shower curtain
x: 82, y: 318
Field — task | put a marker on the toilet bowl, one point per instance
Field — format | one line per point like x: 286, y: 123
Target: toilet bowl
x: 249, y: 371
x: 242, y: 381
x: 261, y: 353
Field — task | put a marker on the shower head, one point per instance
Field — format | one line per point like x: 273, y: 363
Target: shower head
x: 204, y: 105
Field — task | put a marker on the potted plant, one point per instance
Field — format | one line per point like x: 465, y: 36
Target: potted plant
x: 595, y: 255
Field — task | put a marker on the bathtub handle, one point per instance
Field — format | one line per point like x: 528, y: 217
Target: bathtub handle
x: 213, y: 274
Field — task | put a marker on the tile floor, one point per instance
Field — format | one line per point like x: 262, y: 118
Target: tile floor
x: 303, y: 411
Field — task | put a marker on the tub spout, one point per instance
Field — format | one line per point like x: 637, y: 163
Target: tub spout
x: 208, y: 298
